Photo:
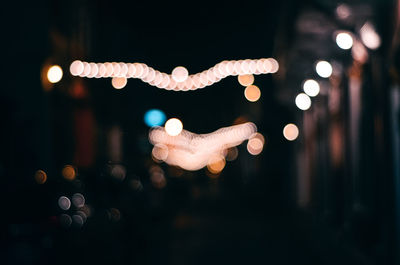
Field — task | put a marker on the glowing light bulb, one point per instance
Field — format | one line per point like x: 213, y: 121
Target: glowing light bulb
x: 252, y: 93
x: 173, y: 127
x: 54, y: 74
x: 344, y: 40
x: 76, y: 68
x: 324, y: 69
x: 180, y: 73
x: 119, y: 82
x: 303, y: 101
x: 290, y: 132
x: 246, y: 80
x: 311, y: 87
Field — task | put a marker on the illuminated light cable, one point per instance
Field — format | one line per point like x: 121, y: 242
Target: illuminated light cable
x: 192, y: 151
x: 179, y: 79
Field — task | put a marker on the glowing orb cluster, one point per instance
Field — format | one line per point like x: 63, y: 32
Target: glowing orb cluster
x: 192, y: 151
x: 179, y: 80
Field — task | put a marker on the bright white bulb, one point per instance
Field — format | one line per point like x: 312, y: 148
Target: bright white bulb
x: 180, y: 74
x: 303, y: 101
x: 311, y: 87
x: 54, y: 74
x: 173, y: 127
x: 344, y: 40
x: 324, y: 69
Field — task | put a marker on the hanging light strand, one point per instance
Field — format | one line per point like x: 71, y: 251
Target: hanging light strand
x: 179, y: 79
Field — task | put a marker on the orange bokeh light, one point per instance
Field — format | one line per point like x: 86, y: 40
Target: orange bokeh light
x: 246, y: 80
x: 68, y: 172
x: 252, y: 93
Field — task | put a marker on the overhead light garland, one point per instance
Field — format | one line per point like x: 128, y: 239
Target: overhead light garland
x: 179, y: 79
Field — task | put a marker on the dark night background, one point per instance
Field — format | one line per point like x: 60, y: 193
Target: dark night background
x: 332, y: 196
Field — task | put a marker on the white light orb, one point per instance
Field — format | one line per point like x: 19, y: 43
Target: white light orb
x: 179, y: 74
x: 311, y: 87
x: 344, y: 40
x: 173, y: 127
x: 303, y: 101
x: 54, y: 74
x: 324, y: 69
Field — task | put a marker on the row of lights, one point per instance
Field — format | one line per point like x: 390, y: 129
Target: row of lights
x: 179, y: 79
x: 344, y: 40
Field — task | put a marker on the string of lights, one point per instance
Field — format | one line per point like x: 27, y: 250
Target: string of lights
x: 179, y: 79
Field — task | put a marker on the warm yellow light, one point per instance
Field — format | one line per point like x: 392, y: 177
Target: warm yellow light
x: 290, y: 132
x: 173, y: 127
x: 216, y: 164
x: 246, y: 80
x: 119, y: 82
x: 54, y: 74
x: 180, y: 73
x: 252, y: 93
x: 255, y: 146
x: 311, y: 87
x: 303, y: 101
x: 68, y: 172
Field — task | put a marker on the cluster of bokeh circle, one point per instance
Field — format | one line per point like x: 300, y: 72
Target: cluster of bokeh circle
x: 179, y: 79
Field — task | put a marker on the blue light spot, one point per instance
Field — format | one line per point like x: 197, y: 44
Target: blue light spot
x: 154, y: 117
